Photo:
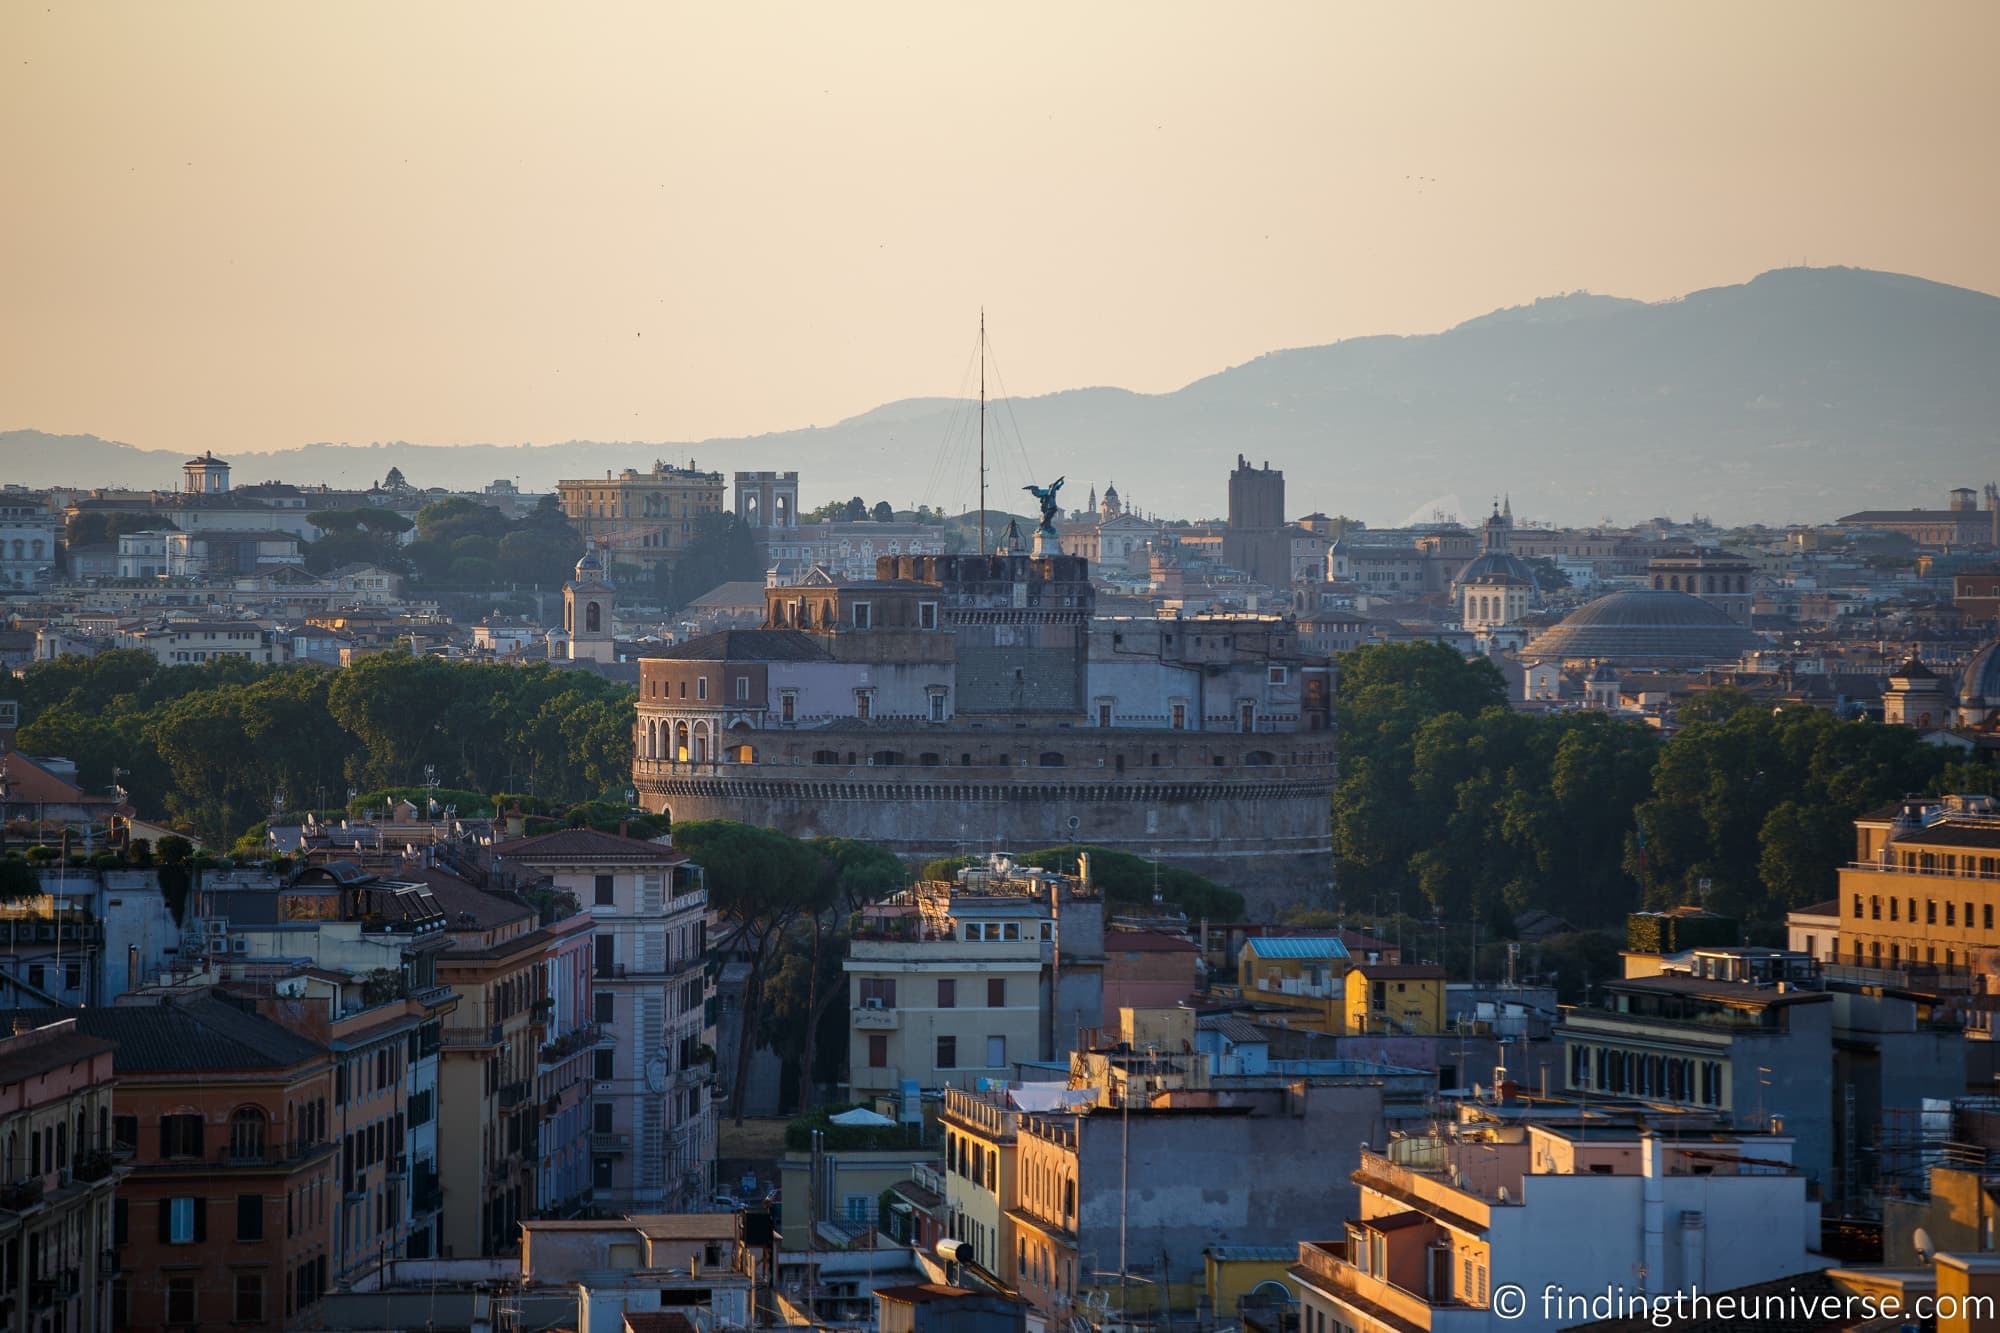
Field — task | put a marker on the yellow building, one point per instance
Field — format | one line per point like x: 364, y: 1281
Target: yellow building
x: 981, y: 1182
x: 1924, y: 887
x: 1304, y: 973
x: 646, y: 518
x: 1406, y: 999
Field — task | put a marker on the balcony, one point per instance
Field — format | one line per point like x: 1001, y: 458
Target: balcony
x: 93, y: 1166
x: 611, y: 1143
x: 874, y: 1018
x: 513, y: 1094
x: 1324, y: 1265
x: 427, y: 1196
x: 470, y: 1038
x: 570, y: 1043
x: 18, y: 1196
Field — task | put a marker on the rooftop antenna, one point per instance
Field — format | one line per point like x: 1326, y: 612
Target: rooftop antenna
x: 982, y: 430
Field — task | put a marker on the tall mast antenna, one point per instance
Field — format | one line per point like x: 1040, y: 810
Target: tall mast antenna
x: 982, y: 430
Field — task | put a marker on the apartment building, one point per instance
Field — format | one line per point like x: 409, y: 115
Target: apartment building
x: 981, y: 1178
x: 232, y: 1186
x: 1759, y: 1037
x: 56, y: 1210
x: 652, y: 1132
x: 1923, y: 889
x: 350, y: 960
x: 952, y: 982
x: 1148, y: 1188
x: 1398, y: 998
x: 564, y: 1065
x: 1576, y: 1206
x: 490, y: 1053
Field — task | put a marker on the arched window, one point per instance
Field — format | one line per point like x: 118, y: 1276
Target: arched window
x: 593, y: 618
x: 246, y: 1134
x: 701, y: 743
x: 681, y: 742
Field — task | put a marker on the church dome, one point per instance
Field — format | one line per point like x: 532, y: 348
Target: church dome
x: 1979, y: 684
x: 1490, y: 565
x: 1645, y: 626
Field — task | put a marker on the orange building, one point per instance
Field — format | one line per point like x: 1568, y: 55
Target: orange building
x: 1923, y: 890
x: 224, y: 1216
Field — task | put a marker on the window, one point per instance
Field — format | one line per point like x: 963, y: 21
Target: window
x: 701, y: 687
x: 600, y: 1117
x: 878, y: 1051
x: 859, y: 1207
x: 742, y: 689
x: 605, y: 1066
x: 1179, y: 717
x: 996, y: 992
x: 606, y: 1006
x: 864, y: 704
x: 180, y: 1136
x: 926, y: 615
x: 937, y: 705
x: 947, y: 1053
x: 183, y: 1221
x: 996, y: 1052
x: 788, y: 706
x: 878, y: 992
x: 125, y: 1132
x: 864, y: 615
x: 249, y: 1298
x: 180, y: 1300
x: 605, y: 896
x: 249, y: 1217
x: 602, y: 943
x: 947, y: 993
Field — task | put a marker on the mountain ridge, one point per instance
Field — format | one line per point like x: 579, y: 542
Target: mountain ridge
x: 1780, y: 399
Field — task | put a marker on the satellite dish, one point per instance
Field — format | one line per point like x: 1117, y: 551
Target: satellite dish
x: 1921, y: 1242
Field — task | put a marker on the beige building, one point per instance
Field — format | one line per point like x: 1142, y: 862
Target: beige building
x: 644, y: 517
x: 653, y: 1113
x: 947, y: 979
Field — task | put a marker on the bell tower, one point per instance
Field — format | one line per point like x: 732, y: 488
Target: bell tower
x: 587, y: 607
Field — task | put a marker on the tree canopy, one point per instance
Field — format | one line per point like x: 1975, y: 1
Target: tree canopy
x: 210, y: 746
x: 1454, y: 804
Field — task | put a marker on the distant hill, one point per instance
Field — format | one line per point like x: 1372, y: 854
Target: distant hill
x: 1797, y: 396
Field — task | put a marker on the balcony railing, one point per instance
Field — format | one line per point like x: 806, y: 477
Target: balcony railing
x: 610, y: 1143
x: 513, y: 1094
x: 875, y: 1018
x: 471, y: 1037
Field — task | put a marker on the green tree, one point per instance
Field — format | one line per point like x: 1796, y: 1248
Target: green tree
x: 882, y: 513
x: 721, y: 549
x: 762, y: 881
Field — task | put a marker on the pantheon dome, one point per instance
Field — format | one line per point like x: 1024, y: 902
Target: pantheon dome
x: 1644, y: 627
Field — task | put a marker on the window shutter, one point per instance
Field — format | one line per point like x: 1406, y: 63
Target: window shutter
x: 200, y: 1219
x: 166, y: 1221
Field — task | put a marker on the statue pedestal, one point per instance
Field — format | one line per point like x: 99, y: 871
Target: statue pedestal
x: 1046, y: 543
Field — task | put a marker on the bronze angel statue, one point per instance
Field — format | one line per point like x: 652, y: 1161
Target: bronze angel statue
x: 1047, y: 495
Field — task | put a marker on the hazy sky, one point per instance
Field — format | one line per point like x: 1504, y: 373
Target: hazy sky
x: 253, y: 226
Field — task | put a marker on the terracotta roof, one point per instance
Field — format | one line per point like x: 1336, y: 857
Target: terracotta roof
x: 586, y: 846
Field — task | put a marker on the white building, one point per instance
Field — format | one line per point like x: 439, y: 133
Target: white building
x: 653, y: 1128
x: 28, y: 538
x: 1456, y: 1232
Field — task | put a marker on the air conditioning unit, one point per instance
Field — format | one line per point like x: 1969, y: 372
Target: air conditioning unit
x: 872, y: 1002
x: 218, y: 927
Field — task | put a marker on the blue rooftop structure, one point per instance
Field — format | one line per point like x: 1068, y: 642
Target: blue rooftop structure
x: 1296, y: 946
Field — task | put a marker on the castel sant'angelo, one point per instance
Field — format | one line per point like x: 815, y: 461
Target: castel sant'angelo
x: 968, y: 703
